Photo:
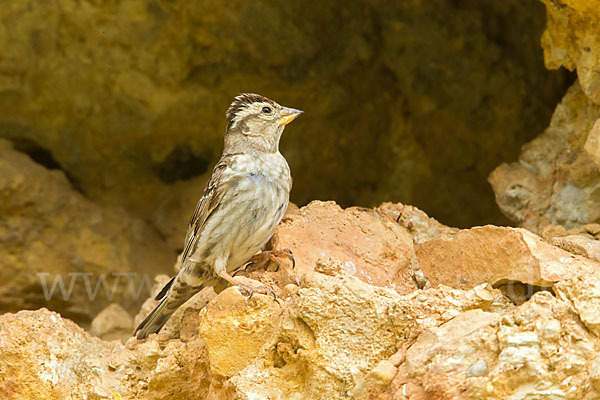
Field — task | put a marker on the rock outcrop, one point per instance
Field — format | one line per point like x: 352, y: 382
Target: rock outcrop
x: 333, y: 334
x: 62, y: 251
x: 557, y: 180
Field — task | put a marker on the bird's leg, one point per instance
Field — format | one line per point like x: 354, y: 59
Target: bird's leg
x: 247, y: 285
x: 266, y: 257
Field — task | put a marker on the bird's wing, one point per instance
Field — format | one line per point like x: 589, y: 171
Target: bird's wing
x: 208, y: 203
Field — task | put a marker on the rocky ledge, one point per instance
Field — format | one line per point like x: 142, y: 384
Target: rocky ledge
x: 382, y: 304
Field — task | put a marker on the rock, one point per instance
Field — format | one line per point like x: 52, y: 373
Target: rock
x: 583, y: 293
x: 45, y: 356
x: 422, y: 227
x: 112, y: 323
x: 571, y: 40
x: 340, y: 336
x: 144, y: 94
x: 555, y: 180
x: 62, y: 251
x: 498, y: 255
x: 592, y: 144
x: 367, y: 244
x: 579, y: 244
x: 595, y: 374
x: 336, y: 337
x: 479, y: 368
x: 245, y: 325
x: 515, y: 346
x: 62, y: 361
x: 331, y: 334
x: 376, y: 381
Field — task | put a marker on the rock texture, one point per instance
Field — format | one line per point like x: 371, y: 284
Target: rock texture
x: 396, y: 108
x: 571, y: 40
x: 538, y: 350
x: 112, y: 323
x: 62, y: 251
x: 334, y: 335
x: 371, y: 246
x: 497, y: 255
x: 557, y: 178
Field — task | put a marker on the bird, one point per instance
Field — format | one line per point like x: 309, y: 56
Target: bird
x: 243, y: 202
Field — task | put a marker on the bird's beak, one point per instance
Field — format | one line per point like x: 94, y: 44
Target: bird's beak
x: 287, y: 115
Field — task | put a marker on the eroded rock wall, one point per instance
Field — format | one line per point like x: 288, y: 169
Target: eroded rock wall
x: 334, y: 335
x: 402, y: 99
x: 556, y: 180
x: 63, y: 251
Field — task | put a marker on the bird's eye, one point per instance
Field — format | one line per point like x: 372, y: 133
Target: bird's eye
x: 266, y: 110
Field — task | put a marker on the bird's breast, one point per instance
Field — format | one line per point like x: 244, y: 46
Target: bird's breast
x: 263, y: 168
x: 251, y: 208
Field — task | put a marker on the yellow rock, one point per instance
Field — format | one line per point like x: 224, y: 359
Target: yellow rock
x: 234, y: 329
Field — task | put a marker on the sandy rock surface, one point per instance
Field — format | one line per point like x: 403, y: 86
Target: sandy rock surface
x: 62, y: 251
x: 556, y: 179
x: 370, y: 245
x: 331, y: 334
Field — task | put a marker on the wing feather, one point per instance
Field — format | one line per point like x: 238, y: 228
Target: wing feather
x: 208, y: 203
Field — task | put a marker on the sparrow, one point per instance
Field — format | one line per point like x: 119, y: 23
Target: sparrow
x: 242, y: 204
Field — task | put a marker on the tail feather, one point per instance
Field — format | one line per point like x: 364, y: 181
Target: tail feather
x: 174, y: 294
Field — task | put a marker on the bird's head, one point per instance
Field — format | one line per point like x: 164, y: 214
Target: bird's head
x: 255, y: 122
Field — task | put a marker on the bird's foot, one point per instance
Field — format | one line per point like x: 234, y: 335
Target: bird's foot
x: 265, y: 258
x: 248, y: 286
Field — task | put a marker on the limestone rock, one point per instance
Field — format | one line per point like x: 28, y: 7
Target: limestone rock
x: 44, y: 356
x: 579, y: 244
x: 422, y: 227
x: 555, y: 180
x: 315, y: 353
x: 112, y: 323
x: 572, y: 40
x: 336, y: 337
x: 245, y: 325
x: 592, y: 144
x: 61, y: 361
x: 368, y: 244
x: 538, y: 349
x: 62, y: 251
x: 583, y: 293
x: 498, y: 255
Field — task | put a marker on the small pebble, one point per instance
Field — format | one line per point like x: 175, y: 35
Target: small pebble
x: 479, y: 368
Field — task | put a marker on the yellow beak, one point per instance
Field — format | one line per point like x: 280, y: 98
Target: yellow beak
x: 287, y: 115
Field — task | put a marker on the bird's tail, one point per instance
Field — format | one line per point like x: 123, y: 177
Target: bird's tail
x: 173, y: 295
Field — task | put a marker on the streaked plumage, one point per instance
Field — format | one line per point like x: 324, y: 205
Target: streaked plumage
x: 242, y: 204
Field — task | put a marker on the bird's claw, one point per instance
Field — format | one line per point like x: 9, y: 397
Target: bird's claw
x: 245, y: 291
x: 291, y: 256
x: 249, y: 292
x: 271, y: 256
x: 248, y: 287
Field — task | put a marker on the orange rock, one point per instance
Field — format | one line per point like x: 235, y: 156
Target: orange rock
x: 369, y: 245
x: 421, y: 226
x: 494, y: 255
